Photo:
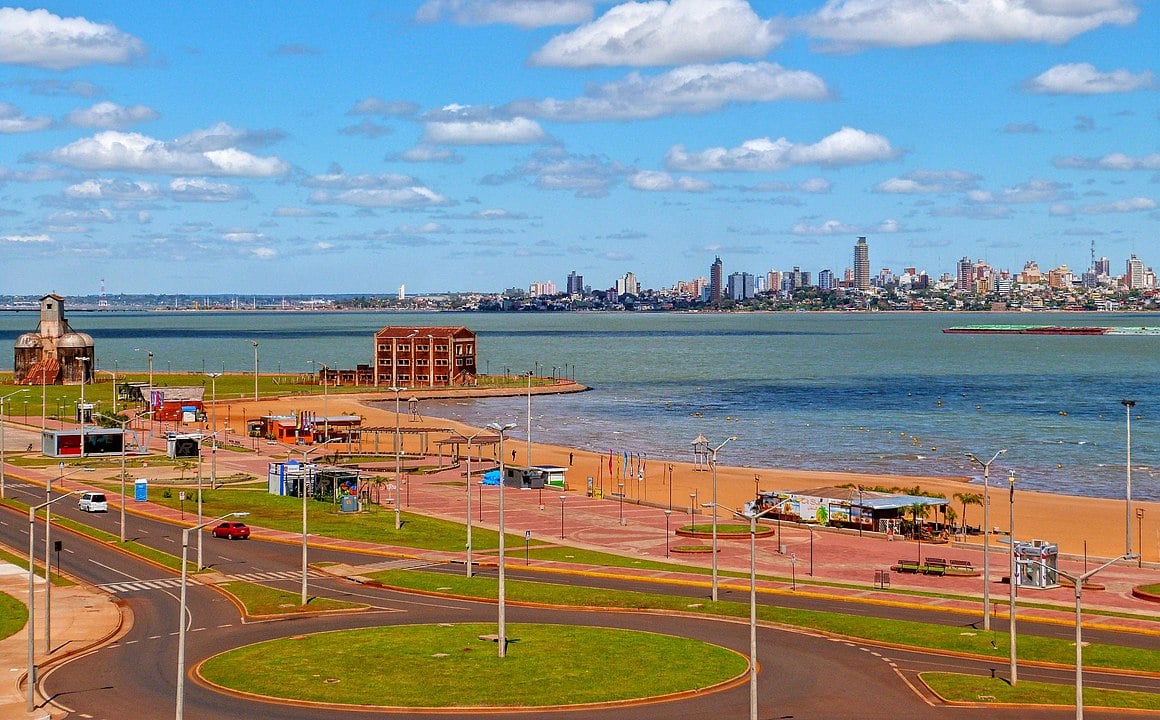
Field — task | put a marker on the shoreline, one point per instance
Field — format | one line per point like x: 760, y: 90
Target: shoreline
x: 1080, y: 525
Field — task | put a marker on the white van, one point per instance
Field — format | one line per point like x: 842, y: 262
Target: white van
x: 93, y: 502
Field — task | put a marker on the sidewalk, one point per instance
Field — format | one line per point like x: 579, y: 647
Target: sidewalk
x: 82, y: 618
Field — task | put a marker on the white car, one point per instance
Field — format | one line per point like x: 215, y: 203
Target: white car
x: 93, y: 502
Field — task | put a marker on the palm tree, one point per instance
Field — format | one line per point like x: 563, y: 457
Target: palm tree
x: 968, y: 498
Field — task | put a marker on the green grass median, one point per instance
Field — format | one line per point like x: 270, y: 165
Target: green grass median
x: 13, y: 615
x: 449, y: 665
x: 979, y: 689
x: 261, y: 600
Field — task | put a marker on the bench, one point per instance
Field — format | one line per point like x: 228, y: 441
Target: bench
x: 935, y: 566
x: 961, y: 565
x: 908, y: 566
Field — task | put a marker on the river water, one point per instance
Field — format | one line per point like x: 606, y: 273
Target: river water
x: 884, y: 392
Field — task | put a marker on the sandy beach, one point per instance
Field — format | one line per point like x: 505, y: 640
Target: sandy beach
x: 1077, y: 524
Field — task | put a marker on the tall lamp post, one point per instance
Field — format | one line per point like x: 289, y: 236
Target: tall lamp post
x: 302, y: 492
x: 399, y: 458
x: 986, y: 537
x: 31, y: 700
x: 529, y: 449
x: 1128, y: 405
x: 1011, y: 588
x: 469, y: 439
x: 48, y: 500
x: 255, y: 344
x: 150, y: 354
x: 668, y: 514
x: 2, y: 401
x: 213, y: 376
x: 325, y: 410
x: 753, y: 517
x: 501, y: 430
x: 713, y: 464
x: 181, y: 614
x: 124, y: 451
x: 562, y: 517
x: 84, y: 376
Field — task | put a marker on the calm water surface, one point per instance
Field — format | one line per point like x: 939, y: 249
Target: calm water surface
x: 868, y: 392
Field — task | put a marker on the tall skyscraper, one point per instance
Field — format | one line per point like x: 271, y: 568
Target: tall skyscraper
x: 716, y: 278
x: 575, y: 283
x: 861, y: 265
x: 740, y: 286
x: 966, y: 275
x: 826, y: 280
x: 1135, y: 275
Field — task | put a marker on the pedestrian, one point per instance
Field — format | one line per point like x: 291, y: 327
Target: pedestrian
x: 513, y: 455
x: 569, y: 458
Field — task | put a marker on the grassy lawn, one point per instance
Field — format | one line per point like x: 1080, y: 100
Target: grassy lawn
x: 13, y: 615
x: 1154, y: 588
x: 899, y: 632
x: 450, y: 666
x: 376, y: 525
x: 262, y: 600
x: 722, y: 529
x: 979, y: 689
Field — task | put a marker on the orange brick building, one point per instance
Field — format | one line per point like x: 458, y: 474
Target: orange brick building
x: 417, y: 357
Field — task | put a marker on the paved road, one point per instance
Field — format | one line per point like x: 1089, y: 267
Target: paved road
x: 802, y: 676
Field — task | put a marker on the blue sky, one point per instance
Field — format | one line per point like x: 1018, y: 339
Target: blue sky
x: 220, y: 147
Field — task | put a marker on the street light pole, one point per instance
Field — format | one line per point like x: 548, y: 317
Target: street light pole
x: 213, y: 376
x: 529, y: 450
x: 753, y: 517
x: 82, y: 360
x: 302, y: 492
x: 2, y: 402
x: 1128, y: 405
x: 469, y: 568
x: 124, y: 451
x: 255, y: 344
x: 713, y: 464
x: 986, y: 537
x: 562, y: 517
x: 1011, y: 588
x: 31, y: 700
x: 398, y: 457
x: 668, y: 514
x: 1140, y: 526
x: 181, y: 614
x: 502, y: 629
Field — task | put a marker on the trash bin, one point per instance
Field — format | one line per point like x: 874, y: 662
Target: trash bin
x: 348, y: 504
x: 141, y: 490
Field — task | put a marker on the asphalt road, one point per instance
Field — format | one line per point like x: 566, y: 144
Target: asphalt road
x: 802, y: 675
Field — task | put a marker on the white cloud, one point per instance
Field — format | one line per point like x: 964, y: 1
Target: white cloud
x: 101, y: 215
x: 815, y: 186
x: 264, y: 253
x: 516, y: 131
x: 336, y: 179
x: 588, y: 176
x: 889, y: 225
x: 1061, y: 210
x: 13, y: 120
x: 294, y: 212
x: 525, y: 14
x: 1084, y: 79
x: 427, y: 153
x: 25, y: 239
x: 424, y: 229
x: 201, y: 190
x: 1126, y: 205
x: 921, y: 182
x: 653, y: 181
x: 854, y: 24
x: 848, y: 146
x: 1114, y: 161
x: 684, y: 90
x: 371, y: 190
x: 112, y: 189
x: 202, y: 152
x: 41, y: 39
x: 110, y: 116
x: 37, y: 174
x: 1034, y: 191
x: 664, y: 33
x: 367, y: 128
x: 830, y: 227
x: 384, y: 108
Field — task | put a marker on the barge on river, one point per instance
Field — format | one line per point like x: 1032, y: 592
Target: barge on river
x: 1050, y: 330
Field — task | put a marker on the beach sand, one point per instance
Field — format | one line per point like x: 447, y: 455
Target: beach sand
x: 1079, y: 525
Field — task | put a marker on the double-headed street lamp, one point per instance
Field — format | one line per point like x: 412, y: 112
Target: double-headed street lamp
x: 398, y: 457
x: 469, y: 439
x: 124, y: 451
x: 2, y: 401
x: 712, y: 451
x: 1128, y: 405
x: 501, y: 430
x: 986, y: 536
x: 181, y: 614
x: 302, y: 492
x: 753, y: 517
x: 31, y: 701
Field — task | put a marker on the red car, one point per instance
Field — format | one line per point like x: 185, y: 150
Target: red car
x: 232, y: 531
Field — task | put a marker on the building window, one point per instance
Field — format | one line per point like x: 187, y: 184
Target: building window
x: 404, y: 361
x: 385, y: 362
x: 383, y: 348
x: 404, y: 348
x: 441, y: 362
x: 441, y: 348
x: 422, y: 378
x: 421, y: 361
x: 459, y: 362
x: 420, y: 348
x: 404, y: 378
x: 441, y: 378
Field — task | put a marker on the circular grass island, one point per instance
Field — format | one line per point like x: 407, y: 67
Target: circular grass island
x: 457, y: 666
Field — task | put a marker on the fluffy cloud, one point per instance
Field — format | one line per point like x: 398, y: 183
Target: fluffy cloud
x: 13, y: 120
x: 920, y: 182
x: 212, y: 151
x: 526, y: 14
x: 853, y: 24
x: 388, y: 190
x: 830, y: 227
x: 367, y: 128
x: 200, y: 190
x: 1115, y: 161
x: 40, y: 39
x: 1084, y: 79
x: 652, y: 181
x: 112, y: 189
x: 664, y: 33
x: 384, y: 108
x: 110, y: 116
x: 848, y: 146
x: 587, y: 176
x: 684, y: 90
x: 514, y: 131
x: 1127, y: 205
x: 25, y: 239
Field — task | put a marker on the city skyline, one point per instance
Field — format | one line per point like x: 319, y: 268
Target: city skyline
x: 459, y: 145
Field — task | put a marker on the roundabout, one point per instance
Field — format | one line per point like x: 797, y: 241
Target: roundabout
x: 455, y: 666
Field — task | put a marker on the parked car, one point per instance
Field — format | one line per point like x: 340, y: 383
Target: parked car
x: 93, y: 502
x: 232, y: 531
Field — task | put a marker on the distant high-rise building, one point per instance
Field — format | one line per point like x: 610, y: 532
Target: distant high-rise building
x: 1103, y: 267
x: 861, y: 265
x: 1134, y: 278
x: 826, y: 280
x: 740, y: 286
x: 628, y: 284
x: 716, y: 278
x: 966, y: 275
x: 575, y: 283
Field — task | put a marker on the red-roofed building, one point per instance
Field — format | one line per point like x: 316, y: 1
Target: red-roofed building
x: 417, y: 357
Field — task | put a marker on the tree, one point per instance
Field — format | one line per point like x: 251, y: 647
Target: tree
x: 968, y: 498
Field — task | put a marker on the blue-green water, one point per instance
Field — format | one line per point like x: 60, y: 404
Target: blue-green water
x: 833, y: 391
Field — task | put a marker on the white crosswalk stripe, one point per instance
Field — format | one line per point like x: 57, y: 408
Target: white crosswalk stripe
x: 275, y: 575
x: 128, y: 586
x: 401, y: 564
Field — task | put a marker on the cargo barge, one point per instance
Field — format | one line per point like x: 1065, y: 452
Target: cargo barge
x: 1050, y: 330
